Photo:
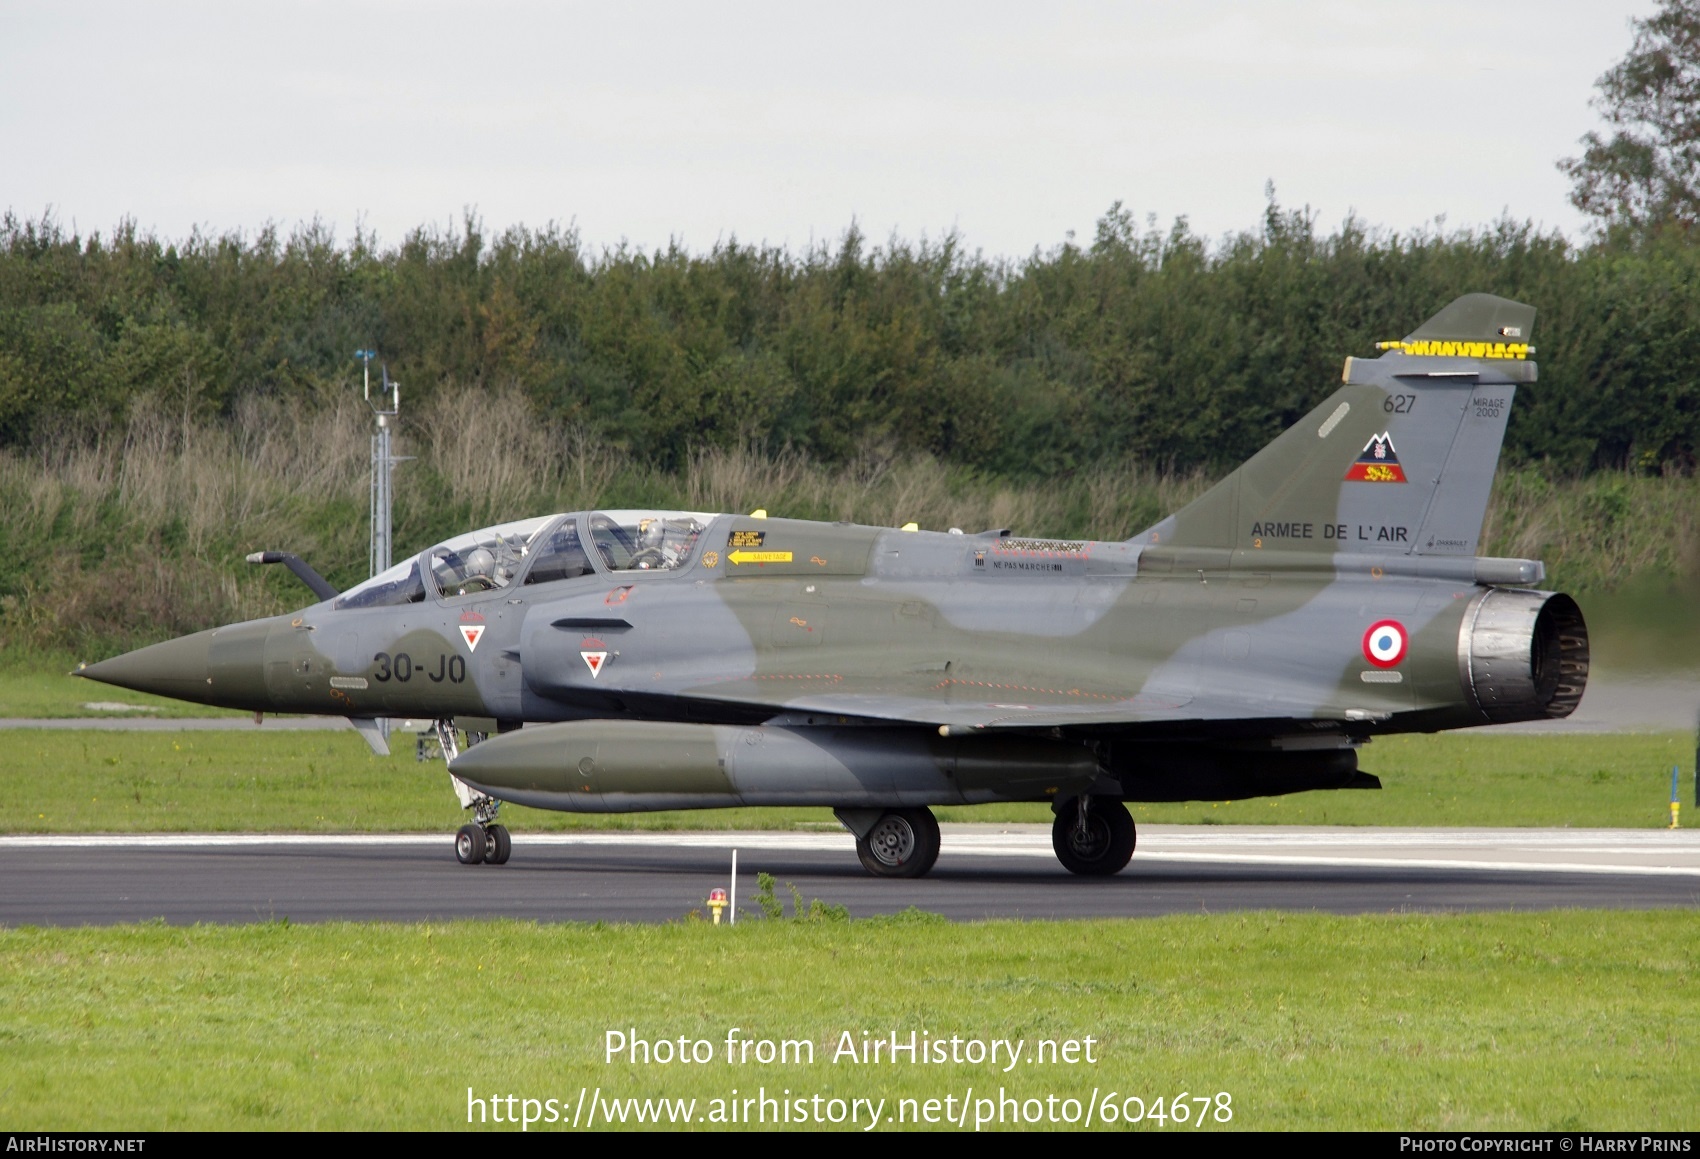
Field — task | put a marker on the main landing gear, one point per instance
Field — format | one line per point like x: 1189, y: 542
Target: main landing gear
x: 1093, y: 836
x: 482, y: 842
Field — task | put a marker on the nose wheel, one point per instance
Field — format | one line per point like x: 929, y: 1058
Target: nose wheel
x: 483, y: 845
x: 469, y: 845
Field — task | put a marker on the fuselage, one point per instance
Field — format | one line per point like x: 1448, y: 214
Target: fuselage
x: 764, y: 616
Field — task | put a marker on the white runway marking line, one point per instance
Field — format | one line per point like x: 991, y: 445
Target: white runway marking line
x: 1220, y: 847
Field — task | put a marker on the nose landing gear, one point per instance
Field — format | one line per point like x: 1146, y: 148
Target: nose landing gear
x: 482, y: 842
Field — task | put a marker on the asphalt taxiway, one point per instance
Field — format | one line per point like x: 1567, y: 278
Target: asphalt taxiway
x: 983, y: 872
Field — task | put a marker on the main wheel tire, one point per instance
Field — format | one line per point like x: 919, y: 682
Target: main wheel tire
x: 902, y: 843
x: 469, y: 845
x: 497, y: 845
x: 1106, y: 846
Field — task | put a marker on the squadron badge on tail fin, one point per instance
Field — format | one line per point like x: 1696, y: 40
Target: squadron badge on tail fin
x: 1379, y: 463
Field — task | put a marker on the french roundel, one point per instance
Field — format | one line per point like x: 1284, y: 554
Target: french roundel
x: 1384, y: 643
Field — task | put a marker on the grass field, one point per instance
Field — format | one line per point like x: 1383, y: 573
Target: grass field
x: 1573, y: 1020
x: 88, y: 781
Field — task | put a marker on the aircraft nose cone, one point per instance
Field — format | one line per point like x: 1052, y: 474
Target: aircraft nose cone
x: 175, y: 668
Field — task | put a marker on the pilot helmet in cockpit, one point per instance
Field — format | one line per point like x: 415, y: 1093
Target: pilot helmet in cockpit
x: 480, y: 561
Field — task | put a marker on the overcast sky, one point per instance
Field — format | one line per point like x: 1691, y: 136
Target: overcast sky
x: 1010, y: 123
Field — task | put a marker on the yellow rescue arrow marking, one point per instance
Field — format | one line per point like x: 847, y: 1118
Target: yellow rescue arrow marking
x: 737, y: 557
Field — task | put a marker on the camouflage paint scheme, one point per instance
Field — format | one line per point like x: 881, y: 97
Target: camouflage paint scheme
x: 1225, y: 652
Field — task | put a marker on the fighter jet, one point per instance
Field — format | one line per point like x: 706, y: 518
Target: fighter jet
x: 1327, y: 592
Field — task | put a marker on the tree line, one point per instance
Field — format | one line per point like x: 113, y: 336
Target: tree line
x: 1148, y: 344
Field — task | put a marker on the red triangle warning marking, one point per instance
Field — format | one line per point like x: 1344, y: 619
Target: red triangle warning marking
x: 472, y: 633
x: 594, y: 661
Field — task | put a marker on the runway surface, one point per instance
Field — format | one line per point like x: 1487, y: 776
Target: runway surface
x: 984, y: 872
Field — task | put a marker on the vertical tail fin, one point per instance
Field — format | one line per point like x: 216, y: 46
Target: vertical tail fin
x: 1399, y: 460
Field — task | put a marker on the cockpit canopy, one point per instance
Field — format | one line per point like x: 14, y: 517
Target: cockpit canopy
x: 646, y: 540
x: 482, y: 561
x: 541, y: 550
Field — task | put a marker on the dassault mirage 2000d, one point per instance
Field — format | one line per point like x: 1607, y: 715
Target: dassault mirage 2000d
x: 1326, y: 592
